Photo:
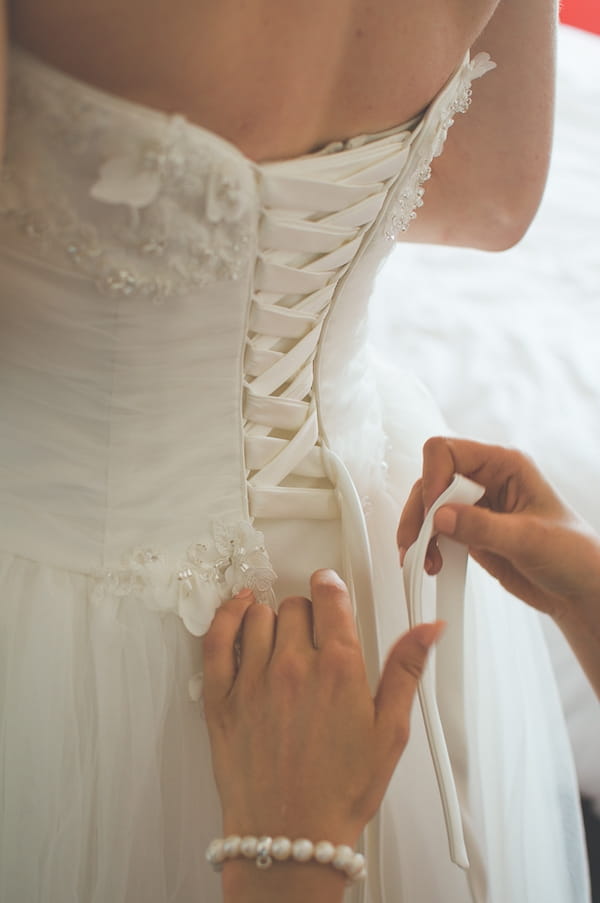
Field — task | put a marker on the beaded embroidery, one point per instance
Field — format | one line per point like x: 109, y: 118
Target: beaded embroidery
x: 231, y: 559
x: 148, y: 213
x: 410, y: 197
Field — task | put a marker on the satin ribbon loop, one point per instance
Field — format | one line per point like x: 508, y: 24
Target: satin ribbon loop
x: 445, y: 722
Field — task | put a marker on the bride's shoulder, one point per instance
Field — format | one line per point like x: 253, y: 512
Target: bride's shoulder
x: 487, y: 185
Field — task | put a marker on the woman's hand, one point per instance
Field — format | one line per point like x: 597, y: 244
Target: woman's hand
x: 299, y: 745
x: 522, y: 532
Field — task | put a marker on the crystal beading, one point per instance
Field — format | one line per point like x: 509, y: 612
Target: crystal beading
x: 232, y: 558
x: 410, y: 197
x: 149, y: 214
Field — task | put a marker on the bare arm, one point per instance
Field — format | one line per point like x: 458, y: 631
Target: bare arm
x: 487, y: 185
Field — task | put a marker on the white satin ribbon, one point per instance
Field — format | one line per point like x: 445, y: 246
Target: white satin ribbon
x: 444, y: 710
x: 358, y: 573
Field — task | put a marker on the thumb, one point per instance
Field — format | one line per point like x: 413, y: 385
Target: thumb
x: 400, y: 678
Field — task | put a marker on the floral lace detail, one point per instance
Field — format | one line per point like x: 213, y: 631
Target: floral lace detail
x: 233, y: 558
x: 410, y: 198
x: 175, y: 213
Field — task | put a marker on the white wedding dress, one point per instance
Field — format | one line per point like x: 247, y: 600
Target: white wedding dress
x: 184, y: 366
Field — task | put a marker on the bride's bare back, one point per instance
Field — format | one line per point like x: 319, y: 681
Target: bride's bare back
x: 279, y: 79
x: 275, y: 78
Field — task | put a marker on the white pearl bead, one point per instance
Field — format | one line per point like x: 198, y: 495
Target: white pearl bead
x: 302, y: 850
x: 343, y: 857
x: 248, y: 846
x: 231, y: 846
x: 356, y: 866
x: 281, y: 848
x: 215, y: 853
x: 324, y: 852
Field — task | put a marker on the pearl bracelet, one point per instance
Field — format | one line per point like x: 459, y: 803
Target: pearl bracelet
x: 265, y: 849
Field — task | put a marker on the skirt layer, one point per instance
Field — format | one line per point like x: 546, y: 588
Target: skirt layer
x: 106, y: 785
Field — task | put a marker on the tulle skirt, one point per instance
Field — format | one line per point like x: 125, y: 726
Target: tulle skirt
x: 106, y: 785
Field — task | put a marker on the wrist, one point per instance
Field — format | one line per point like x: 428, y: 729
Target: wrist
x: 296, y: 825
x: 576, y: 588
x: 290, y: 881
x: 580, y: 626
x: 265, y: 869
x: 580, y: 610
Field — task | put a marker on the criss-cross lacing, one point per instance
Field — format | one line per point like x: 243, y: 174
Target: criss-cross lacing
x: 311, y: 230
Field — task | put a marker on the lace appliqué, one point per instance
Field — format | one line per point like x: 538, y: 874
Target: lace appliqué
x: 144, y: 209
x: 233, y: 558
x: 408, y: 201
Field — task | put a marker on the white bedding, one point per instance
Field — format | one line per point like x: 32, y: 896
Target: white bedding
x: 509, y: 344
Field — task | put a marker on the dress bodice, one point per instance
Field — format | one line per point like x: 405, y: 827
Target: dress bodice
x: 179, y: 319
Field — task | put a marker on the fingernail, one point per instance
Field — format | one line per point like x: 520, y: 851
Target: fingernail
x: 402, y: 554
x: 428, y: 565
x: 445, y: 521
x: 244, y: 593
x: 429, y: 634
x: 328, y: 575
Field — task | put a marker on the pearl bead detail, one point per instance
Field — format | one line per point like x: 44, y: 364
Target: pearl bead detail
x: 248, y: 846
x: 356, y: 866
x: 215, y: 852
x: 231, y: 846
x: 302, y: 850
x: 281, y: 848
x: 264, y: 850
x: 324, y: 852
x: 343, y: 857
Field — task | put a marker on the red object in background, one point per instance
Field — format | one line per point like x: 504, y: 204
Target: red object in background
x: 581, y: 13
